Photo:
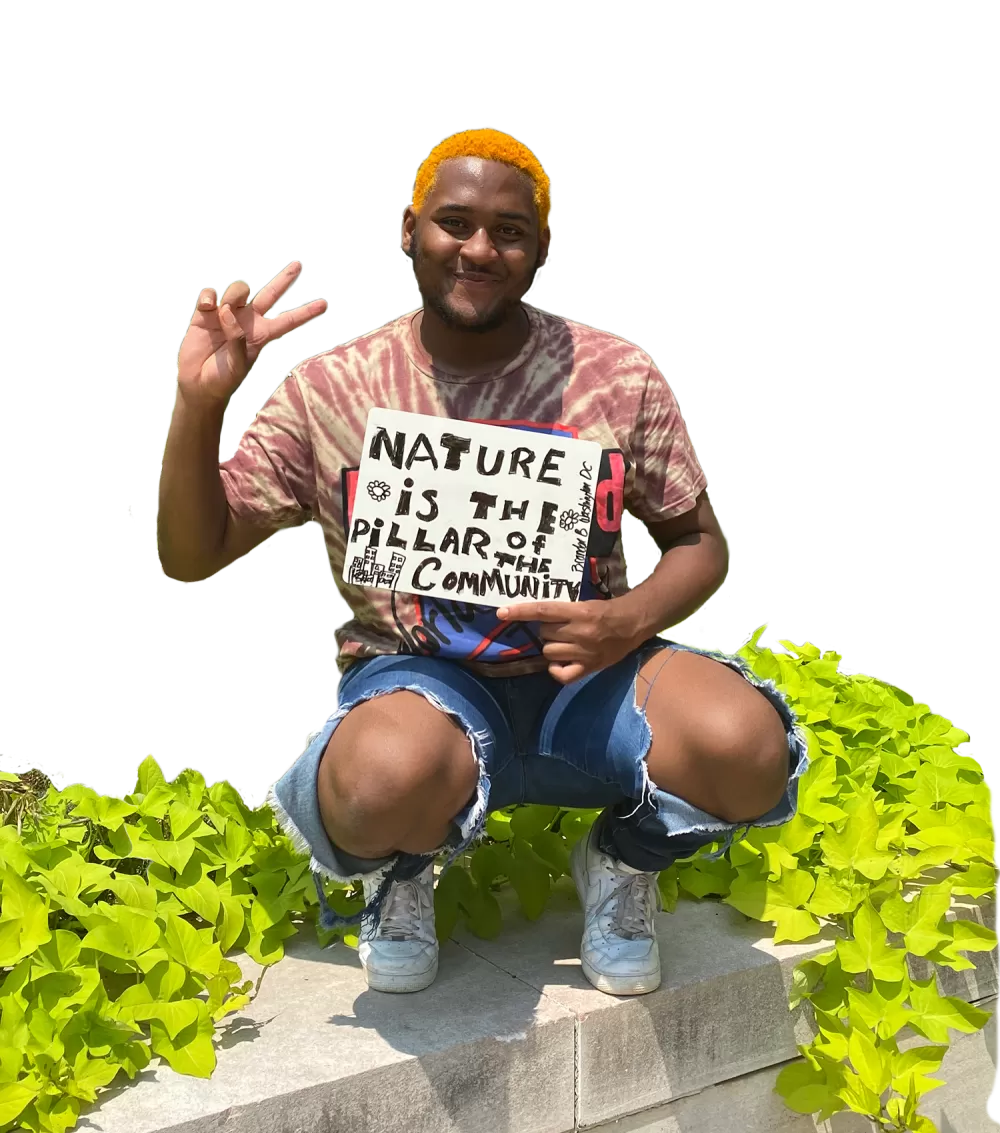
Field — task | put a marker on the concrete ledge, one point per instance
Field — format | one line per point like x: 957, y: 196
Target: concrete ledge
x: 509, y: 1039
x: 959, y: 1106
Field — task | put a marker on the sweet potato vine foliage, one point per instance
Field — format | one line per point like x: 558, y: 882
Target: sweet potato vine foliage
x: 117, y: 915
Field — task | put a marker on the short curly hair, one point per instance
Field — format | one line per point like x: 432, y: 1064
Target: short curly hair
x: 492, y: 145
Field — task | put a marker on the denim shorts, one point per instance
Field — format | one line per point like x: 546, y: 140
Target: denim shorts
x: 535, y: 741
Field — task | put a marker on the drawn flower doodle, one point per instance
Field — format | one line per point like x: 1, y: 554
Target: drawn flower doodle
x: 569, y: 519
x: 379, y: 491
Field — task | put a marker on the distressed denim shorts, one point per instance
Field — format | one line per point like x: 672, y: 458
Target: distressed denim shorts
x: 535, y: 741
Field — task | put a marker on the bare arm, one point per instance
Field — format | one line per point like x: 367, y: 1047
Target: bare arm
x: 197, y: 534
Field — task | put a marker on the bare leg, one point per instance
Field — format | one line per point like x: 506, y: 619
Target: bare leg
x: 395, y: 773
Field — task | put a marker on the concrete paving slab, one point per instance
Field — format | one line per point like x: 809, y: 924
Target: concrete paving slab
x: 511, y: 1037
x: 317, y: 1052
x: 957, y: 1107
x: 721, y: 1011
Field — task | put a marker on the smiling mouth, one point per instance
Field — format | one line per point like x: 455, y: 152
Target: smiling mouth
x: 476, y: 280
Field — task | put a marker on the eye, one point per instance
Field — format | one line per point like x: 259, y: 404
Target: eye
x: 509, y: 230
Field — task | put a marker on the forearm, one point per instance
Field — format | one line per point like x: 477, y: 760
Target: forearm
x: 193, y: 512
x: 687, y: 575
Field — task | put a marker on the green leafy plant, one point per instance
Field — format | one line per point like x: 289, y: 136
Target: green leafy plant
x: 116, y: 915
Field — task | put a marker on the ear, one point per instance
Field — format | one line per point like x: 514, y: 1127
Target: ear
x: 543, y: 246
x: 408, y: 226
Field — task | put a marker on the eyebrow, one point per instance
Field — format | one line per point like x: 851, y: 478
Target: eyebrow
x: 468, y: 208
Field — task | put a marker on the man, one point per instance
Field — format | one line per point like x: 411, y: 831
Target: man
x: 450, y: 709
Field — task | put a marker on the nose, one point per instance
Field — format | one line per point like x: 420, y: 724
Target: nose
x: 479, y: 248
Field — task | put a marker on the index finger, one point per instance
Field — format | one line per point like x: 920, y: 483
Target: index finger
x: 536, y: 612
x: 289, y: 320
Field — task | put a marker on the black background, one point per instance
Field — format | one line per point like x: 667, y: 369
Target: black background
x: 791, y: 280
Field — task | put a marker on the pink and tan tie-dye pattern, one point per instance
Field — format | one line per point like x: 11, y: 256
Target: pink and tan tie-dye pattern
x: 292, y: 465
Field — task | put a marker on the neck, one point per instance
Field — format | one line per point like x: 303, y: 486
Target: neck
x: 467, y: 352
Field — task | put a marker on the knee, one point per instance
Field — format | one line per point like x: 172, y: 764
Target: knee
x: 374, y: 776
x: 748, y: 752
x: 384, y: 770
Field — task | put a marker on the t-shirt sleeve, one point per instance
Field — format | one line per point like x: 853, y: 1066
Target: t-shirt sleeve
x: 668, y: 477
x: 271, y: 480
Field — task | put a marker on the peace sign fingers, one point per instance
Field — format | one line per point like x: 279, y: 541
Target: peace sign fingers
x: 271, y: 292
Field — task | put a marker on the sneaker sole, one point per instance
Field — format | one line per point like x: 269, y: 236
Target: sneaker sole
x: 379, y: 981
x: 620, y: 985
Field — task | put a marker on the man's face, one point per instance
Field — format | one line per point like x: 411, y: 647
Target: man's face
x: 476, y: 245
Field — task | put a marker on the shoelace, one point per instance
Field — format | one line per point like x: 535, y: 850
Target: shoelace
x: 401, y: 914
x: 632, y: 917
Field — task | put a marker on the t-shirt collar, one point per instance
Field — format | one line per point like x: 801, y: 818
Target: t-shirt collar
x: 422, y: 360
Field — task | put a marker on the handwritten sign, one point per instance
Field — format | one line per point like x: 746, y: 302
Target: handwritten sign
x: 480, y: 513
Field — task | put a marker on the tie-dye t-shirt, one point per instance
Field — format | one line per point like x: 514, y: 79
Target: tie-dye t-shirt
x: 299, y: 460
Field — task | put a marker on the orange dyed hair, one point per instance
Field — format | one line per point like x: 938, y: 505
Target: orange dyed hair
x: 491, y: 145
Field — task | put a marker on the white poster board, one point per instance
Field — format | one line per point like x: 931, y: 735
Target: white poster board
x: 479, y: 513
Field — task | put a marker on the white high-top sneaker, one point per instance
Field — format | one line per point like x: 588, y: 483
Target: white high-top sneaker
x: 402, y: 953
x: 619, y: 952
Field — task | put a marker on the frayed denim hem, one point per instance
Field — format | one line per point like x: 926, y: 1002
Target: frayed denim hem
x: 664, y: 817
x: 297, y: 814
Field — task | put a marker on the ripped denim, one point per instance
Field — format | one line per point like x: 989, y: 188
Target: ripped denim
x: 535, y: 741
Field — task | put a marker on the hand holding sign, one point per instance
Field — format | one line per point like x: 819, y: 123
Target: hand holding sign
x: 580, y: 637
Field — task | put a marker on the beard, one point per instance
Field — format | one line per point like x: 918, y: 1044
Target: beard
x: 491, y: 319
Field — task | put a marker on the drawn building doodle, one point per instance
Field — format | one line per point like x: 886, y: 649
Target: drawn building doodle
x: 367, y: 571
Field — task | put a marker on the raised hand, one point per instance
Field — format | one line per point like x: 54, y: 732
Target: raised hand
x: 224, y: 339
